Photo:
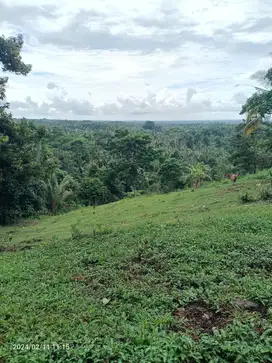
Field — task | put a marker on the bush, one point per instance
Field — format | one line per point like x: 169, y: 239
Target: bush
x: 93, y: 191
x: 153, y: 188
x: 75, y: 232
x: 266, y: 193
x: 137, y: 193
x: 246, y: 198
x: 265, y: 174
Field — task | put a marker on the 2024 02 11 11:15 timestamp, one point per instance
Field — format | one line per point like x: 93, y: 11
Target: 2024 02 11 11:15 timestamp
x: 43, y: 346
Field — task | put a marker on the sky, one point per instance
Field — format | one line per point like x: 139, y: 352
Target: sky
x: 137, y: 60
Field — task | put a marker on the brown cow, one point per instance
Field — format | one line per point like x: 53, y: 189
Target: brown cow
x: 233, y: 177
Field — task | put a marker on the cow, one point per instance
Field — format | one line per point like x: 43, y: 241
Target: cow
x: 233, y: 177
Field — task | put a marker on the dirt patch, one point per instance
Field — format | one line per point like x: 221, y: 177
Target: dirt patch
x: 14, y: 248
x: 148, y: 258
x: 229, y: 190
x: 33, y: 240
x: 79, y: 278
x: 134, y: 272
x: 199, y: 318
x: 31, y: 222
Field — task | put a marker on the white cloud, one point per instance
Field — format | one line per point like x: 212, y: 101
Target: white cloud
x: 157, y: 59
x: 52, y: 85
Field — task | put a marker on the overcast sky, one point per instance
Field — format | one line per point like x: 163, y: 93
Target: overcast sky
x: 137, y: 60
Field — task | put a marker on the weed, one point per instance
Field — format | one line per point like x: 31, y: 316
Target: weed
x: 76, y: 234
x: 246, y: 198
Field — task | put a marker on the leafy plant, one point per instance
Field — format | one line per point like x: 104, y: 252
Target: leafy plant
x: 58, y: 192
x: 266, y: 193
x: 246, y: 198
x: 259, y: 106
x: 76, y: 234
x: 197, y: 173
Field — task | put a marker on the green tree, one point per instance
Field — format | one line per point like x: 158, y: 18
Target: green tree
x: 197, y: 174
x: 24, y: 159
x: 244, y: 151
x: 171, y: 175
x: 149, y: 125
x: 92, y: 191
x: 259, y: 106
x: 134, y: 154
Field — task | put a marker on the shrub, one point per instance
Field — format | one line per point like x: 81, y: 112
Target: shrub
x: 100, y: 230
x: 75, y: 232
x: 93, y: 191
x: 246, y: 198
x: 265, y: 174
x: 137, y: 193
x: 266, y: 193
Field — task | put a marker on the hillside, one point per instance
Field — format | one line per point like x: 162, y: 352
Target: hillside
x: 174, y: 277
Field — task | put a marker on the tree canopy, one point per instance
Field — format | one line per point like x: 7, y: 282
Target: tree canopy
x: 258, y: 107
x: 51, y: 166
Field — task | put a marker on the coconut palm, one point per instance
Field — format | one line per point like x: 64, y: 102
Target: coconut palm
x: 259, y: 106
x: 58, y: 192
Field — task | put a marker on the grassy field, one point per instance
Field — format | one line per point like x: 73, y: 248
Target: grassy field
x: 182, y: 277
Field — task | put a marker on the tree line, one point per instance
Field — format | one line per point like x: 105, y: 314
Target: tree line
x: 55, y: 166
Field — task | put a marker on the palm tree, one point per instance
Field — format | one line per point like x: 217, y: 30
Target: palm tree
x: 197, y: 173
x: 58, y: 192
x: 259, y: 105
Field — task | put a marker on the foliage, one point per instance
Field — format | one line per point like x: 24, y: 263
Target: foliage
x: 266, y: 193
x: 171, y: 175
x: 92, y: 191
x: 259, y: 106
x: 75, y: 232
x: 149, y: 125
x: 25, y: 161
x: 10, y: 55
x: 246, y: 198
x: 24, y: 158
x: 197, y: 173
x: 58, y: 192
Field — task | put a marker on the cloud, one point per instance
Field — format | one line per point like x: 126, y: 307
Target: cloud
x: 127, y: 61
x: 57, y: 105
x: 52, y: 85
x: 252, y: 25
x: 77, y: 34
x: 42, y: 74
x: 162, y: 102
x: 21, y: 14
x: 190, y: 93
x: 240, y: 98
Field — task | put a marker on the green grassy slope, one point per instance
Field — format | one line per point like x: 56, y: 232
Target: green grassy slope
x: 165, y: 278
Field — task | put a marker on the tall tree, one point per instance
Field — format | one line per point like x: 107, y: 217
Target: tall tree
x: 24, y: 160
x: 171, y: 175
x: 259, y: 106
x: 134, y: 155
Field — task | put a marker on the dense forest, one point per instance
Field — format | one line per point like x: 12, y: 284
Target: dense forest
x: 54, y: 166
x: 51, y: 167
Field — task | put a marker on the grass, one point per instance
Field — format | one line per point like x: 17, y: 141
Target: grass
x: 182, y: 277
